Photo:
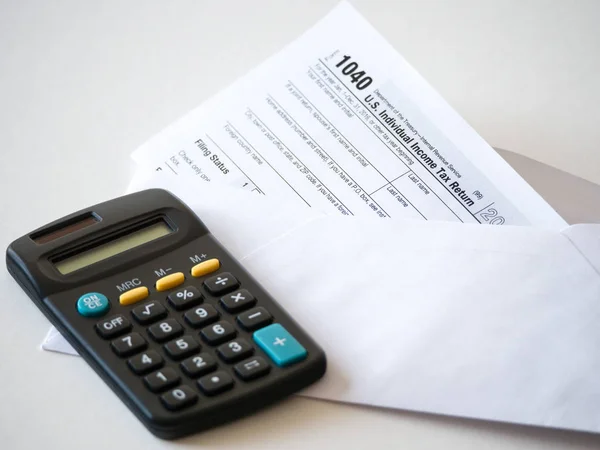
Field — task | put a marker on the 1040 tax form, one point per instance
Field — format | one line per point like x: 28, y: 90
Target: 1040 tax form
x: 340, y: 122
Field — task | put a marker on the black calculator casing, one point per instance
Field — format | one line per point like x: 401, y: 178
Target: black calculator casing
x: 30, y: 263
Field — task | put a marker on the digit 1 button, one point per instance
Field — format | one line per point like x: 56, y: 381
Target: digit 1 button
x: 237, y: 301
x: 280, y: 345
x: 161, y: 379
x: 129, y: 344
x: 219, y: 332
x: 235, y: 350
x: 215, y: 383
x: 221, y: 284
x: 185, y: 298
x: 145, y: 362
x: 165, y: 330
x: 179, y: 398
x: 252, y: 368
x: 199, y: 365
x: 92, y: 304
x: 113, y: 326
x: 182, y: 347
x: 254, y: 319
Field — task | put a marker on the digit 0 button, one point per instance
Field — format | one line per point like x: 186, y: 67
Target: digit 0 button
x: 205, y: 267
x: 280, y: 345
x: 133, y: 296
x: 92, y: 304
x: 170, y: 281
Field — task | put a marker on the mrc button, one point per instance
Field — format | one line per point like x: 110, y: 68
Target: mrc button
x: 92, y: 304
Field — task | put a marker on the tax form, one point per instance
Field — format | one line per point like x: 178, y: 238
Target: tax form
x: 339, y: 121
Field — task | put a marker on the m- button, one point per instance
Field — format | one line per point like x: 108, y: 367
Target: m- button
x: 113, y: 326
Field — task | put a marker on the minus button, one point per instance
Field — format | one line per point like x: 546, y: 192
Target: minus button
x: 254, y: 319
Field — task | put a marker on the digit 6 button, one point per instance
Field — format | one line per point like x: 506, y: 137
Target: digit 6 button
x: 218, y: 333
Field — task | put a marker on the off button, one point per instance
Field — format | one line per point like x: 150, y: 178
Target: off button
x: 93, y: 304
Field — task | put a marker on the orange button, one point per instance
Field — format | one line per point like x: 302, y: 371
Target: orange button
x: 205, y: 267
x: 133, y: 296
x: 170, y: 281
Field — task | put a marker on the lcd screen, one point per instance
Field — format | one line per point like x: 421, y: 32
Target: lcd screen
x: 112, y: 248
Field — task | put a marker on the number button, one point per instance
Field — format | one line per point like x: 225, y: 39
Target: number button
x: 161, y: 379
x: 149, y: 312
x: 219, y: 332
x: 145, y: 362
x: 221, y: 284
x: 252, y: 368
x: 201, y: 316
x: 128, y: 345
x: 182, y: 347
x: 254, y: 319
x: 185, y: 298
x: 235, y: 350
x: 179, y: 398
x: 199, y: 365
x: 165, y: 330
x: 113, y: 326
x: 238, y: 301
x: 215, y: 383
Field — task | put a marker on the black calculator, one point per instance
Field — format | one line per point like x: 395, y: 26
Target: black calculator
x: 163, y: 313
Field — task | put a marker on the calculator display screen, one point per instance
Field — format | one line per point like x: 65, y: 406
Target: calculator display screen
x: 112, y: 248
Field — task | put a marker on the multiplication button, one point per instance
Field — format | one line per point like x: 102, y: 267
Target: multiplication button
x: 237, y: 301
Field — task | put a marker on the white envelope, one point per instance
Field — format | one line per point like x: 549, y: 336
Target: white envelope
x: 497, y: 323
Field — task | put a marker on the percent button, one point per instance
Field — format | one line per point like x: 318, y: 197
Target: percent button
x: 185, y: 298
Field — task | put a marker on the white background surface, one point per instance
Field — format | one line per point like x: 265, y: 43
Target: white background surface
x: 84, y: 83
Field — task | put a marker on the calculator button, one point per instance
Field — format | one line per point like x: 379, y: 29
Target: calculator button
x: 170, y: 281
x: 252, y: 368
x: 133, y: 296
x: 205, y: 267
x: 93, y: 304
x: 280, y: 345
x: 165, y: 330
x: 113, y: 326
x: 254, y: 319
x: 201, y: 316
x: 145, y: 362
x: 182, y: 347
x: 215, y: 383
x: 149, y: 312
x: 238, y: 301
x: 129, y: 344
x: 179, y: 398
x: 161, y: 379
x: 221, y: 284
x: 219, y: 332
x: 185, y: 298
x: 199, y: 365
x: 235, y: 350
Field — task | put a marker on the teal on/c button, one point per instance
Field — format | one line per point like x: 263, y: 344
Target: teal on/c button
x: 92, y: 304
x: 280, y: 345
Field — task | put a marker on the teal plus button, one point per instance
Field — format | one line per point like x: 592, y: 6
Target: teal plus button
x: 92, y: 304
x: 280, y: 345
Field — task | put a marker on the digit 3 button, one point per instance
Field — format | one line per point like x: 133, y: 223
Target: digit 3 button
x: 215, y: 383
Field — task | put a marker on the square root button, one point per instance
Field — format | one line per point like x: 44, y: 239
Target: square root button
x: 280, y: 345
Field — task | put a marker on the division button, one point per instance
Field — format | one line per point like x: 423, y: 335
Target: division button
x: 217, y: 333
x: 252, y: 368
x: 165, y: 330
x: 238, y: 301
x: 280, y: 345
x: 129, y: 344
x: 149, y: 312
x: 161, y: 379
x: 205, y: 267
x: 215, y: 383
x: 182, y: 347
x: 201, y: 316
x: 235, y: 350
x: 170, y: 281
x: 113, y: 326
x: 179, y: 398
x: 145, y: 362
x: 93, y: 304
x: 221, y: 284
x: 254, y: 318
x: 185, y: 298
x: 198, y: 365
x: 133, y: 296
